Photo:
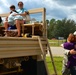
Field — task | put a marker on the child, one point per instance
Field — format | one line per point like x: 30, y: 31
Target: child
x: 68, y: 61
x: 10, y: 20
x: 11, y: 17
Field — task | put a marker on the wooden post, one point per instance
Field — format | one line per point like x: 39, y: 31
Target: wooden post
x: 44, y: 21
x: 33, y: 29
x: 44, y: 55
x: 22, y: 29
x: 51, y: 57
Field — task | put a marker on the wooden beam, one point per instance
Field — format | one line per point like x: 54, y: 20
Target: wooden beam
x: 31, y: 11
x: 4, y: 15
x: 38, y: 10
x: 44, y: 22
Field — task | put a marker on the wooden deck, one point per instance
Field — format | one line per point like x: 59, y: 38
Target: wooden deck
x: 20, y: 46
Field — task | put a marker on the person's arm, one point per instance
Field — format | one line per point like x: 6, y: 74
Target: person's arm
x: 66, y: 52
x: 6, y: 19
x: 23, y: 14
x: 70, y: 52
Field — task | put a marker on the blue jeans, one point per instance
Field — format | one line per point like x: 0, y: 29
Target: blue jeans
x: 12, y: 27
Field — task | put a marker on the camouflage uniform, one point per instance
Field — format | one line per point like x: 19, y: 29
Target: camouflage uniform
x: 65, y: 70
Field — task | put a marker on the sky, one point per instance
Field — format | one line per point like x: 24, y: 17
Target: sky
x: 58, y: 9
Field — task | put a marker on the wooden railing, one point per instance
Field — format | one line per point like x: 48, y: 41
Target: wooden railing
x: 33, y: 11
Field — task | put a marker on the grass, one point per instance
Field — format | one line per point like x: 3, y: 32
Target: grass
x: 56, y: 43
x: 58, y: 64
x: 57, y: 60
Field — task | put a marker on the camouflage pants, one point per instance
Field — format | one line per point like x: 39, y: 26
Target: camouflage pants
x: 65, y: 70
x: 11, y: 33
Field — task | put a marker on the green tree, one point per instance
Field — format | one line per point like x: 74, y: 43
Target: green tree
x: 47, y: 21
x: 61, y: 28
x: 51, y: 26
x: 64, y: 27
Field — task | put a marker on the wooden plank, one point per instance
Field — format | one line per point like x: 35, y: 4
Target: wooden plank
x: 15, y: 47
x: 31, y: 11
x: 11, y: 45
x: 36, y: 24
x: 13, y: 42
x: 44, y: 21
x: 20, y: 53
x: 4, y: 15
x: 37, y: 10
x: 18, y: 42
x: 20, y: 38
x: 19, y: 48
x: 43, y: 54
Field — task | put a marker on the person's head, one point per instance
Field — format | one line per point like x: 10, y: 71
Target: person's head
x: 20, y: 5
x: 12, y: 7
x: 71, y: 38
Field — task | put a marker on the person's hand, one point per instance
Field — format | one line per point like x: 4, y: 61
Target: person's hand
x: 15, y: 14
x: 6, y: 19
x: 72, y: 51
x: 61, y: 45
